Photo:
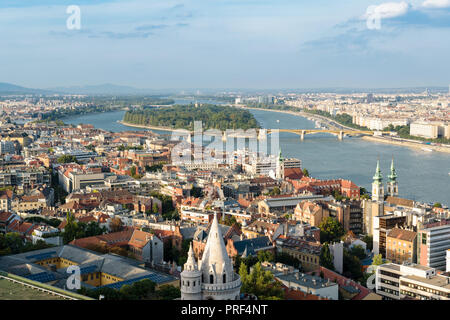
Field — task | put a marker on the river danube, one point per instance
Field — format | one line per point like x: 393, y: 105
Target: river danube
x: 423, y: 176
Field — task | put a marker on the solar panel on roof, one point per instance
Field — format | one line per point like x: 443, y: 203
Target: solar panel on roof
x: 158, y: 278
x: 41, y: 277
x: 88, y: 269
x: 42, y: 256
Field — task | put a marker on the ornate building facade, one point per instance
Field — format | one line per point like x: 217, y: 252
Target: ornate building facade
x: 213, y: 277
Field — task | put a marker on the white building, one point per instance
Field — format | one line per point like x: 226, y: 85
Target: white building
x: 337, y: 251
x: 395, y: 282
x: 47, y: 234
x: 309, y: 284
x: 213, y: 277
x: 448, y: 261
x: 433, y: 244
x: 262, y: 167
x: 431, y: 130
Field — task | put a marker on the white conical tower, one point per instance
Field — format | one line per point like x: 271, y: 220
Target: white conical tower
x: 191, y: 284
x: 216, y: 265
x: 219, y: 281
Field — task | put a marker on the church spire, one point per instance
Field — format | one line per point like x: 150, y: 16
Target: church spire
x: 393, y: 176
x: 377, y: 185
x: 378, y: 176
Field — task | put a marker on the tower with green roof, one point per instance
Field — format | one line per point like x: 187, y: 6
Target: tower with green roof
x: 377, y: 185
x: 279, y: 173
x: 392, y: 184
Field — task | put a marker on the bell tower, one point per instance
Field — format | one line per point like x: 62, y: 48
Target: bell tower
x: 392, y: 185
x: 377, y: 185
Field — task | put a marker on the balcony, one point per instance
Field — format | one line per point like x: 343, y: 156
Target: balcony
x: 222, y: 286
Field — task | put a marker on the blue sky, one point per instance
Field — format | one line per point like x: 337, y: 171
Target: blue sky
x: 226, y: 43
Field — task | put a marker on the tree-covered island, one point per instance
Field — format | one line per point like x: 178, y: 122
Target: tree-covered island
x: 183, y: 117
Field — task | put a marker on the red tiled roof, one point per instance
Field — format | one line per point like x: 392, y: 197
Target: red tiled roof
x: 293, y: 173
x: 139, y: 238
x: 5, y: 216
x: 343, y: 281
x: 402, y: 234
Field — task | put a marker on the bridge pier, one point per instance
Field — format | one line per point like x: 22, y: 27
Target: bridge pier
x: 341, y: 135
x: 224, y: 137
x: 262, y: 134
x: 302, y: 135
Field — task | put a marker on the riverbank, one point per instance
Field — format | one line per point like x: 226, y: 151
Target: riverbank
x: 409, y: 144
x: 147, y: 127
x: 303, y: 114
x: 424, y: 147
x: 353, y: 158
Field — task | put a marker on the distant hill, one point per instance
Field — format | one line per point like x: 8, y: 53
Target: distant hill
x: 8, y: 88
x: 103, y: 89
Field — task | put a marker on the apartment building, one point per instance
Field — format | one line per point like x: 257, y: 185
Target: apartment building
x: 295, y: 280
x: 307, y: 252
x: 7, y: 147
x: 381, y: 227
x: 194, y: 214
x: 73, y: 177
x: 433, y: 244
x: 430, y: 130
x: 24, y: 178
x: 411, y: 281
x: 401, y: 246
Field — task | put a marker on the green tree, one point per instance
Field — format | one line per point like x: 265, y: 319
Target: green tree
x: 286, y: 258
x: 369, y: 241
x: 377, y: 260
x: 265, y: 256
x: 116, y: 224
x: 437, y: 205
x: 70, y: 230
x: 243, y: 272
x: 260, y: 283
x: 325, y: 258
x: 77, y: 230
x: 67, y: 159
x: 93, y: 229
x: 330, y: 230
x: 90, y: 147
x: 275, y: 191
x: 196, y: 192
x: 168, y: 292
x: 352, y: 266
x: 358, y: 251
x: 168, y: 209
x: 305, y: 172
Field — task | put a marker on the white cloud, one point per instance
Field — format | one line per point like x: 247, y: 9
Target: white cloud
x: 388, y: 10
x: 436, y: 4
